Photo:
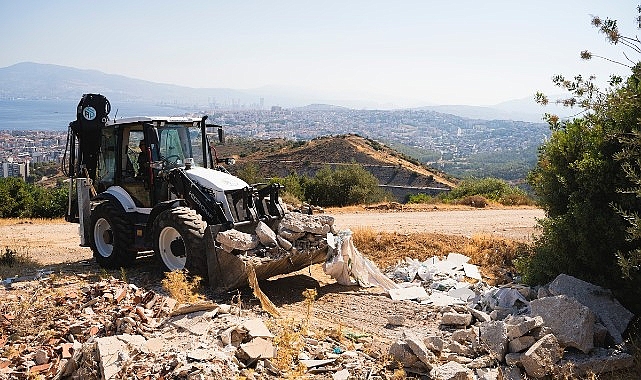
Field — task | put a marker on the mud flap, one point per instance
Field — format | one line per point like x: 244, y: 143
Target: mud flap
x: 227, y: 271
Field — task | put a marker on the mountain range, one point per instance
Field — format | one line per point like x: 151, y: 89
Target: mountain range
x: 36, y: 81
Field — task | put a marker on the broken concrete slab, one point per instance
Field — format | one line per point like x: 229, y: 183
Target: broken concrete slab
x: 298, y: 222
x: 237, y: 240
x: 402, y: 353
x: 599, y: 361
x: 456, y: 319
x: 493, y: 336
x: 311, y: 363
x: 265, y: 234
x: 451, y: 371
x: 610, y: 312
x: 411, y: 293
x: 472, y: 271
x: 420, y: 350
x: 521, y: 343
x: 256, y: 328
x: 284, y: 243
x: 114, y: 352
x: 434, y: 344
x: 438, y: 298
x: 521, y: 325
x: 540, y: 359
x: 258, y: 348
x: 571, y: 322
x: 196, y: 323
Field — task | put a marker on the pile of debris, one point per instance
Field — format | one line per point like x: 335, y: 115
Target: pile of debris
x: 569, y: 327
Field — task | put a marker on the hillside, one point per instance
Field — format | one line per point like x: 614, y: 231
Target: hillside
x: 396, y: 173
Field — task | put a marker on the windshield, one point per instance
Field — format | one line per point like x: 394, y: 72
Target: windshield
x: 177, y: 142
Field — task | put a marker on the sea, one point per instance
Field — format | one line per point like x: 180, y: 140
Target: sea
x: 55, y: 115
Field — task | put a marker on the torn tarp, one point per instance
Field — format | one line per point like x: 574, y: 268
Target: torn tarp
x: 349, y: 267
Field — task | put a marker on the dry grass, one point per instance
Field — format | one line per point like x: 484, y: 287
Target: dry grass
x: 495, y: 256
x: 18, y: 221
x: 181, y: 288
x: 16, y: 262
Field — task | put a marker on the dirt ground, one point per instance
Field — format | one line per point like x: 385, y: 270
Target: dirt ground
x: 55, y: 245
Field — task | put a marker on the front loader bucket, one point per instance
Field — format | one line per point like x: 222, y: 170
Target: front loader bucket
x: 227, y: 271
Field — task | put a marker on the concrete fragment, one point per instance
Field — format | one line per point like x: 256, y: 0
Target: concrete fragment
x: 456, y: 319
x: 434, y: 344
x: 493, y: 336
x: 599, y: 361
x: 311, y: 363
x: 513, y: 359
x: 200, y: 355
x: 472, y: 271
x: 464, y: 336
x: 540, y: 359
x: 420, y: 350
x: 196, y: 323
x: 237, y: 240
x: 521, y: 325
x: 479, y: 315
x: 402, y: 353
x: 460, y: 349
x: 610, y: 312
x: 451, y: 371
x: 521, y: 343
x: 298, y: 222
x: 395, y: 320
x: 487, y: 373
x: 463, y: 293
x: 600, y: 335
x: 341, y: 375
x: 412, y: 293
x: 438, y: 298
x: 284, y: 243
x: 265, y: 234
x: 288, y: 235
x: 258, y: 348
x: 256, y: 328
x: 510, y: 373
x: 570, y: 321
x: 113, y: 352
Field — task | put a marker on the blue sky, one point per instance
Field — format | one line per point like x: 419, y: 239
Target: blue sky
x: 405, y: 52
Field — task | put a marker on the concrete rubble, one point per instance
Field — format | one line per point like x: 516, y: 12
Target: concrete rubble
x: 512, y: 331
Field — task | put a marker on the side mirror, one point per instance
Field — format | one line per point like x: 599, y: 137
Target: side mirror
x: 221, y: 135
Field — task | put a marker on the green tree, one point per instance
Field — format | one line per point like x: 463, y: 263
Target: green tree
x: 581, y: 179
x: 347, y: 185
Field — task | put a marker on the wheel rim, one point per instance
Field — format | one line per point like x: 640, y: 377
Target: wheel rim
x: 103, y: 237
x: 172, y: 249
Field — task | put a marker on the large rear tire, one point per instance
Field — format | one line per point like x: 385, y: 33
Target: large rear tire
x: 111, y: 236
x: 179, y: 240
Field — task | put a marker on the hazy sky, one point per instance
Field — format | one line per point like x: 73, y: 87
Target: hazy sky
x: 409, y: 52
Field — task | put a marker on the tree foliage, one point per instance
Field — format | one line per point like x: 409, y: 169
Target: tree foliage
x: 585, y: 181
x: 19, y: 199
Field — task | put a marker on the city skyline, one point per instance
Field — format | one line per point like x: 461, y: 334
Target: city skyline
x: 408, y: 53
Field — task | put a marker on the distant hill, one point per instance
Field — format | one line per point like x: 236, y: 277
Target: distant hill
x: 395, y: 172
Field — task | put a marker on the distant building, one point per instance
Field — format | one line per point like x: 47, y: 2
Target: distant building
x: 14, y: 169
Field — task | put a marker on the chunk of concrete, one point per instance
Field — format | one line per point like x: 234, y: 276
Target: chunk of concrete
x: 599, y: 361
x: 434, y: 344
x: 265, y: 234
x: 540, y: 359
x: 493, y: 336
x: 456, y: 319
x: 289, y: 235
x: 256, y: 328
x: 258, y: 348
x: 521, y: 343
x: 237, y: 240
x: 114, y: 352
x: 510, y: 373
x: 411, y: 293
x: 284, y: 243
x: 570, y: 321
x: 521, y: 325
x: 420, y: 350
x: 479, y: 315
x: 610, y: 312
x: 196, y: 323
x: 298, y: 222
x: 466, y: 336
x: 487, y: 373
x: 402, y: 353
x: 451, y: 371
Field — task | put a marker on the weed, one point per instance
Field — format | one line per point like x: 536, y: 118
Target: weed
x: 289, y: 342
x: 15, y: 262
x: 182, y: 289
x: 310, y: 297
x: 9, y: 257
x: 123, y: 275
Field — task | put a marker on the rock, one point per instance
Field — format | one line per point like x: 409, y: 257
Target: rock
x: 570, y: 321
x: 470, y: 336
x: 451, y: 371
x: 479, y: 315
x: 599, y: 361
x: 41, y: 357
x: 288, y: 235
x: 460, y: 349
x: 493, y: 335
x: 481, y: 362
x: 487, y: 374
x: 265, y: 234
x: 196, y: 323
x: 513, y: 359
x: 521, y: 343
x: 258, y: 348
x: 434, y: 344
x: 521, y: 325
x: 539, y: 360
x: 298, y: 222
x: 610, y: 312
x: 402, y: 353
x: 395, y: 320
x: 600, y: 335
x: 420, y: 350
x: 510, y: 373
x: 284, y: 243
x: 341, y: 375
x: 237, y: 240
x: 456, y: 319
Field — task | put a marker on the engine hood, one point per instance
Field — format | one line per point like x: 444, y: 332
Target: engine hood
x: 214, y: 179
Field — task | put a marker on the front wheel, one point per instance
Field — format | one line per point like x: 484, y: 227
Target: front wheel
x: 111, y: 236
x: 179, y: 240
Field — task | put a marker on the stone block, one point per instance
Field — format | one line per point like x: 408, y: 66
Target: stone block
x: 237, y: 240
x: 265, y: 234
x: 400, y: 352
x: 284, y: 243
x: 521, y: 325
x: 258, y: 348
x: 521, y: 343
x: 456, y: 319
x: 451, y: 371
x: 610, y: 312
x: 289, y: 235
x: 434, y: 344
x: 493, y: 336
x: 540, y: 359
x: 420, y: 350
x: 599, y: 361
x: 570, y: 321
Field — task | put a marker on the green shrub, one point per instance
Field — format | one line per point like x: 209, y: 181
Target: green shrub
x: 347, y: 185
x: 421, y: 198
x: 477, y: 201
x: 19, y: 199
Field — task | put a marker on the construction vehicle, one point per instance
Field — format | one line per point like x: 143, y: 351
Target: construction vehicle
x: 170, y: 198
